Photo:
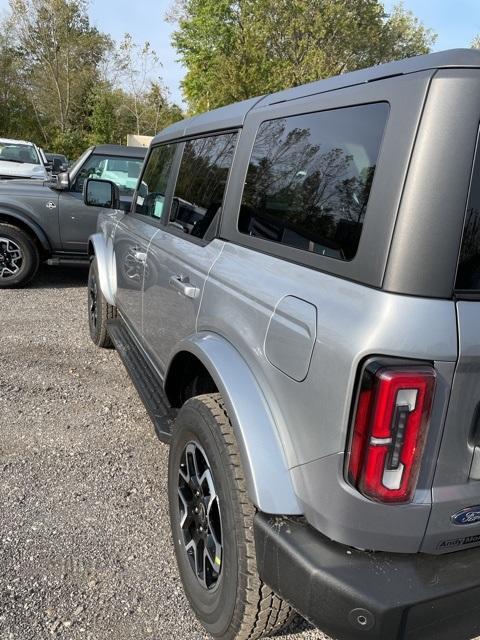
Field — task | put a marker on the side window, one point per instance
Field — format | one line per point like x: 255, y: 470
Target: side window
x: 153, y: 184
x: 122, y: 171
x: 309, y: 179
x: 201, y: 183
x: 468, y: 274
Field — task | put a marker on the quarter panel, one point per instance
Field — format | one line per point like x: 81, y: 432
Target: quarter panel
x: 354, y: 321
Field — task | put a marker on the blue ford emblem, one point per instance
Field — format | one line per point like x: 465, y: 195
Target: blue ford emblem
x: 470, y: 515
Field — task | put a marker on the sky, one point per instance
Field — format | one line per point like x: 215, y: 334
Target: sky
x: 455, y: 21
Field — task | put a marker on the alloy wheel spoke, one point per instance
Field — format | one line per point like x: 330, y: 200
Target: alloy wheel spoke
x: 200, y: 519
x: 11, y: 258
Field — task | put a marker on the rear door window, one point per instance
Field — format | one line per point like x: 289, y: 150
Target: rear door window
x: 468, y: 274
x: 309, y: 179
x: 201, y: 183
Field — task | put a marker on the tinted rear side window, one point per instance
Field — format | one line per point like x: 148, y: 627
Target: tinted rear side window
x: 468, y: 274
x: 310, y: 177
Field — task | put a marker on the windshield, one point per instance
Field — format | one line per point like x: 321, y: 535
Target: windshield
x: 79, y: 161
x: 17, y: 152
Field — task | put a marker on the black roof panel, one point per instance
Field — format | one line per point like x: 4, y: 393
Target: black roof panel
x: 120, y: 150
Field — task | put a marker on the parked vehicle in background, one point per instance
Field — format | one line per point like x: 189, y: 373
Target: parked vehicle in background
x: 308, y: 343
x: 48, y: 220
x: 57, y: 162
x: 21, y: 159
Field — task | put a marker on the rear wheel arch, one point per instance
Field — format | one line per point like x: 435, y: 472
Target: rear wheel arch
x: 223, y: 370
x: 187, y: 377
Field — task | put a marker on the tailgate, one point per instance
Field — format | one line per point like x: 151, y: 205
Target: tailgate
x: 455, y: 517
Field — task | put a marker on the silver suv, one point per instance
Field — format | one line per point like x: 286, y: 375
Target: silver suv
x: 296, y: 295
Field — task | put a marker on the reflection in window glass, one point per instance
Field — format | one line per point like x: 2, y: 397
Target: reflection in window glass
x: 123, y: 172
x: 309, y: 179
x: 151, y: 190
x: 201, y: 184
x: 468, y: 275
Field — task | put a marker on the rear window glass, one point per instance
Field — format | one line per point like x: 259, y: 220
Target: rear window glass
x: 468, y: 274
x: 310, y: 177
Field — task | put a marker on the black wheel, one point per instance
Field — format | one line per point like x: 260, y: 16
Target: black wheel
x: 212, y: 526
x: 99, y: 311
x: 19, y: 257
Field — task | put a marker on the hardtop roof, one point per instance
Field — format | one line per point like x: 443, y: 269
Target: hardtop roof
x: 234, y: 115
x: 11, y: 141
x: 120, y: 150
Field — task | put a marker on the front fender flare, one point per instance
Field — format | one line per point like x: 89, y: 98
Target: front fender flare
x: 99, y: 247
x: 14, y: 214
x: 269, y: 484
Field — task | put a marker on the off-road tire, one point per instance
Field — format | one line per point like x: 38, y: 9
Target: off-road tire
x: 241, y: 607
x: 103, y: 310
x: 30, y: 256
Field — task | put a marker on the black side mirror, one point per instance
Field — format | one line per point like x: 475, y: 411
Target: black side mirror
x: 57, y: 165
x: 101, y: 193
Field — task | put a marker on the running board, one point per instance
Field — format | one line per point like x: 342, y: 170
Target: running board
x: 145, y: 379
x: 67, y: 260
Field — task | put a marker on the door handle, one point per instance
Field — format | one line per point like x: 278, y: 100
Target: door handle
x: 140, y: 256
x: 183, y: 286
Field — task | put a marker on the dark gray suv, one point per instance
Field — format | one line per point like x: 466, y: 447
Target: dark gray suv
x: 296, y: 295
x: 46, y: 220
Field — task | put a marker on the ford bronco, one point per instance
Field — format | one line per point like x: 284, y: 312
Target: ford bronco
x: 296, y: 295
x: 46, y: 220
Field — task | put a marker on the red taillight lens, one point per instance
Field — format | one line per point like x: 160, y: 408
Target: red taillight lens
x: 389, y: 430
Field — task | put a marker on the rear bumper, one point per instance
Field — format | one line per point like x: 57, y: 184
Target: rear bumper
x: 353, y: 594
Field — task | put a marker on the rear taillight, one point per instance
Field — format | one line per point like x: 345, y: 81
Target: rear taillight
x: 389, y: 430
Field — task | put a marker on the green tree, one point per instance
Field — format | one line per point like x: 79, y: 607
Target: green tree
x: 60, y: 53
x: 146, y: 98
x: 15, y: 113
x: 235, y: 49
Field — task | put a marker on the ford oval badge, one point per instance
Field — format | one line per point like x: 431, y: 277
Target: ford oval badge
x: 470, y: 515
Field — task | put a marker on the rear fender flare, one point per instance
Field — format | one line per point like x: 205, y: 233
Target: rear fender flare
x: 269, y: 483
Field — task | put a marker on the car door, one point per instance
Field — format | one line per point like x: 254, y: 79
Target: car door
x: 135, y: 231
x: 78, y: 222
x: 183, y: 251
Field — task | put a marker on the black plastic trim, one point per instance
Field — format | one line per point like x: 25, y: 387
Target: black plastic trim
x: 146, y: 380
x: 352, y: 594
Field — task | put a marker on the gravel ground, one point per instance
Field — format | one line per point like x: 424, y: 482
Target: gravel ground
x: 85, y: 547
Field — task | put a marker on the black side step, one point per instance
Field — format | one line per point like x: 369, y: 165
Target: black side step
x: 145, y: 379
x: 67, y: 259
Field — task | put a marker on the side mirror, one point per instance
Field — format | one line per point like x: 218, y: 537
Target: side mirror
x: 57, y: 165
x: 101, y: 193
x: 62, y: 183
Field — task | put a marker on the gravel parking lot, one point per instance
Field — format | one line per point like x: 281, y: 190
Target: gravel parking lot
x: 84, y: 532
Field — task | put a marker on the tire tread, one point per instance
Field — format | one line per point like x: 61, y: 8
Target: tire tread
x: 264, y: 613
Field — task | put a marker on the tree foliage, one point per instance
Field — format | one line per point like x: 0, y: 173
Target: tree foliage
x: 65, y: 84
x: 236, y: 49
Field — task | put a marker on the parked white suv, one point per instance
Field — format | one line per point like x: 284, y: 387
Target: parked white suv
x: 21, y: 159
